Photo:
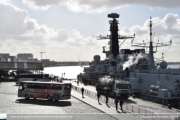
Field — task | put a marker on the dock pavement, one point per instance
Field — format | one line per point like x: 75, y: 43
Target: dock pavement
x: 151, y: 106
x: 110, y: 110
x: 148, y: 105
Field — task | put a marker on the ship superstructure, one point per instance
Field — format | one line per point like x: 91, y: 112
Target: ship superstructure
x: 109, y: 66
x: 145, y: 75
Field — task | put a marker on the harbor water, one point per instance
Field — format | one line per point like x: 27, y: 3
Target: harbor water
x: 71, y: 72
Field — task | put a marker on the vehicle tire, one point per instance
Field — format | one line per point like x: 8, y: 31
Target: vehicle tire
x: 26, y: 96
x: 56, y: 100
x: 49, y: 98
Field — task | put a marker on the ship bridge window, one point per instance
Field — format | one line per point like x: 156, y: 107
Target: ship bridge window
x: 123, y: 86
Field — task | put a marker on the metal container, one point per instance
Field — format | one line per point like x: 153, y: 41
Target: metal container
x: 162, y: 93
x: 152, y: 87
x: 169, y: 95
x: 152, y: 92
x: 105, y: 81
x: 157, y: 87
x: 155, y: 93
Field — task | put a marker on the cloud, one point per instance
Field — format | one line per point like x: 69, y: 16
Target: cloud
x: 41, y: 4
x: 169, y: 25
x: 16, y: 24
x: 98, y: 5
x: 11, y: 17
x: 165, y: 29
x: 62, y: 35
x: 5, y: 1
x: 77, y: 39
x: 20, y: 33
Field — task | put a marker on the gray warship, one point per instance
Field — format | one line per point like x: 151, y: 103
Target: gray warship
x: 146, y: 76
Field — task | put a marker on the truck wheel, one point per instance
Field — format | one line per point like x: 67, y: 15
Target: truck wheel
x: 26, y: 96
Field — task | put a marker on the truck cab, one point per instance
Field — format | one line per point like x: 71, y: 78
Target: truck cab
x: 122, y: 89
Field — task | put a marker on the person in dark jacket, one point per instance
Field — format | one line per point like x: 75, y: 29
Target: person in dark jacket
x: 121, y: 103
x: 98, y: 96
x: 82, y: 90
x: 107, y: 99
x: 116, y: 103
x: 78, y: 82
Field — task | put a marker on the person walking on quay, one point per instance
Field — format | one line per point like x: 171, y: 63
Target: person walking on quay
x: 107, y: 99
x: 98, y: 96
x: 116, y: 103
x: 121, y: 103
x: 82, y: 90
x: 77, y: 82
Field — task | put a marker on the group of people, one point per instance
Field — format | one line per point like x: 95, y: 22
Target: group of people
x: 121, y: 102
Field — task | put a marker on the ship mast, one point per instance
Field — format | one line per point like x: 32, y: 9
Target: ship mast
x: 151, y: 45
x: 151, y: 56
x: 114, y: 36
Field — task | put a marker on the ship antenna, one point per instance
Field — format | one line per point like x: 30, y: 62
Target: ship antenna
x: 151, y: 46
x: 151, y: 57
x: 150, y: 25
x: 153, y: 36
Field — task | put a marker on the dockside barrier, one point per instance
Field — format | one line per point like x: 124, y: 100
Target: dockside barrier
x: 126, y: 106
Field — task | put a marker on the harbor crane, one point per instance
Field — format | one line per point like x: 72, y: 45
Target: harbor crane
x: 41, y: 54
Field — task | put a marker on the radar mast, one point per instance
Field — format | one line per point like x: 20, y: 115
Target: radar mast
x: 151, y: 46
x: 114, y: 36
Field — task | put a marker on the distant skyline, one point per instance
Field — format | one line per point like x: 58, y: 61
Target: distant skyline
x: 67, y: 29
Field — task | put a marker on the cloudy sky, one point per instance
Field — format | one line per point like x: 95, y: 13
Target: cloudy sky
x: 67, y: 29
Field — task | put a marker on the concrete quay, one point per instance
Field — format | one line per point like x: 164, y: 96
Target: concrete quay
x: 85, y: 108
x: 110, y: 110
x: 11, y: 104
x: 152, y: 108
